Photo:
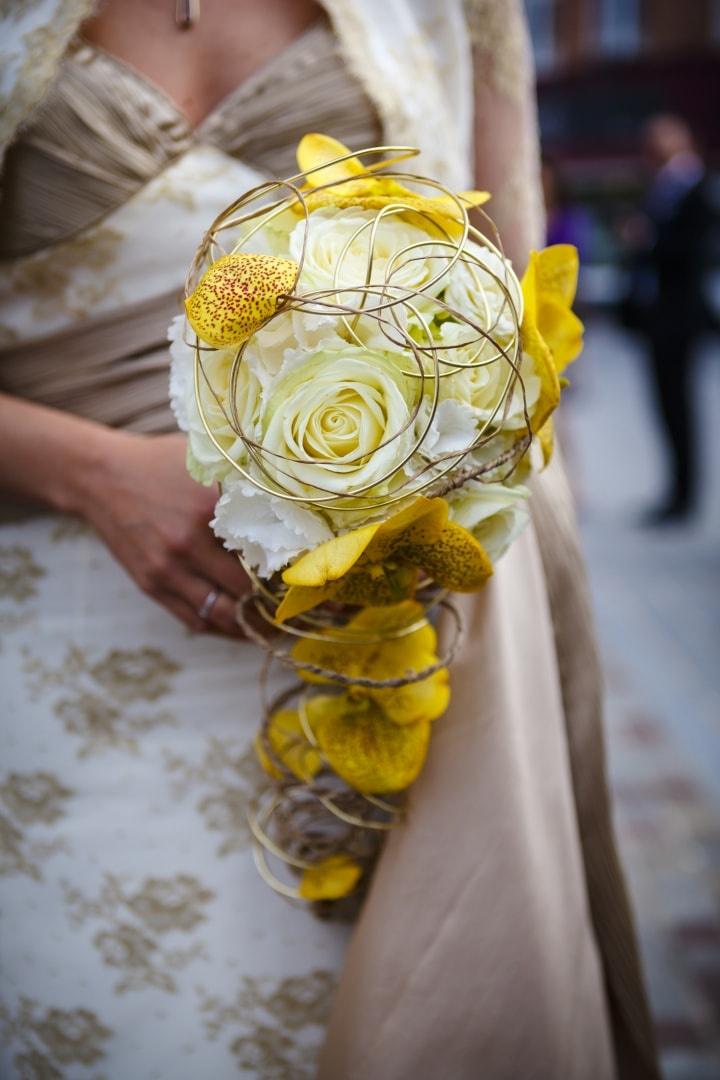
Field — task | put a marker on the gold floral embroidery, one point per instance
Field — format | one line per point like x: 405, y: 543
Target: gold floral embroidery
x: 170, y: 903
x: 226, y: 781
x: 135, y: 675
x: 49, y: 276
x: 132, y: 923
x: 34, y: 797
x: 33, y: 1065
x: 99, y: 708
x: 10, y: 621
x: 53, y: 1038
x: 19, y: 573
x: 267, y: 1016
x: 13, y: 857
x: 270, y: 1053
x: 30, y: 799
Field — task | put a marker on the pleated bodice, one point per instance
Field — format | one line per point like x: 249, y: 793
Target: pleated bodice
x: 105, y: 196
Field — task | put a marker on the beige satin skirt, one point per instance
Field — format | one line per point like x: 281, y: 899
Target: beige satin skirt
x: 497, y: 941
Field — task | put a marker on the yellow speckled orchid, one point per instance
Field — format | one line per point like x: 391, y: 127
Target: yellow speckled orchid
x: 362, y: 566
x: 236, y: 295
x: 385, y: 657
x: 330, y: 879
x: 289, y: 745
x: 551, y: 332
x: 363, y: 746
x: 358, y: 187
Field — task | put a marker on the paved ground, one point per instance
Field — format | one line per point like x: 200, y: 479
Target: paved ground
x: 656, y: 597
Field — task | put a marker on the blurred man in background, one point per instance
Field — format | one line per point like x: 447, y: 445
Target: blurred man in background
x: 670, y: 241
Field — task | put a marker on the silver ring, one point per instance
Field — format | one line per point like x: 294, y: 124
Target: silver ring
x: 205, y: 609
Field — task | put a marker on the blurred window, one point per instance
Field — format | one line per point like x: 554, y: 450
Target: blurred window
x: 620, y: 32
x: 541, y: 18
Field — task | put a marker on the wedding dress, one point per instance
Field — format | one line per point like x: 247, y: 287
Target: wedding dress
x: 138, y: 940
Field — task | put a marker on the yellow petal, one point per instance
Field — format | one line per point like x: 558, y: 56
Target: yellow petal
x: 390, y: 619
x: 314, y: 150
x: 380, y: 655
x: 557, y: 272
x: 289, y: 744
x: 563, y: 332
x: 374, y: 194
x: 455, y: 560
x: 421, y: 522
x: 535, y: 345
x: 365, y: 748
x: 546, y: 438
x: 424, y: 700
x: 330, y: 879
x: 299, y: 599
x: 376, y: 583
x: 549, y: 287
x: 236, y: 295
x: 474, y: 198
x: 420, y: 535
x: 330, y: 560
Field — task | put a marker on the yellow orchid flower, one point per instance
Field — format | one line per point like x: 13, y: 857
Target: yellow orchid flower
x: 364, y: 747
x: 330, y: 879
x: 551, y: 332
x: 387, y: 658
x: 353, y: 184
x: 236, y: 295
x: 289, y: 745
x: 349, y: 568
x: 556, y: 275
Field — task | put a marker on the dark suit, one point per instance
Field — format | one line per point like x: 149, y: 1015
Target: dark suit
x: 669, y: 305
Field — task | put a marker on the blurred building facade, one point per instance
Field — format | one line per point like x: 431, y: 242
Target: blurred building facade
x: 568, y: 32
x: 604, y: 68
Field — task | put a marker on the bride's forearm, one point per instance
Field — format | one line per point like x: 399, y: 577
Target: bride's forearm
x: 50, y: 457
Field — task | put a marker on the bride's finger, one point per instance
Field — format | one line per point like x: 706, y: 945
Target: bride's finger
x: 182, y: 611
x: 213, y: 607
x: 213, y: 562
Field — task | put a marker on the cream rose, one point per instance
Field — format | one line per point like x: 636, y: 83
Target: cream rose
x: 494, y: 513
x: 338, y: 249
x: 206, y: 463
x: 329, y: 414
x: 485, y: 288
x: 483, y: 382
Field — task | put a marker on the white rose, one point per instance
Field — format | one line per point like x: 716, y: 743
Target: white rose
x: 494, y: 513
x: 206, y: 463
x: 327, y: 417
x: 338, y: 250
x: 269, y: 531
x: 483, y: 382
x: 485, y: 288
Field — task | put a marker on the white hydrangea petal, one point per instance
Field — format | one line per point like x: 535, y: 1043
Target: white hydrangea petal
x: 269, y: 531
x: 453, y: 428
x: 182, y: 387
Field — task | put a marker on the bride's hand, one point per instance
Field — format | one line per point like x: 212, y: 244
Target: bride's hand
x: 154, y: 519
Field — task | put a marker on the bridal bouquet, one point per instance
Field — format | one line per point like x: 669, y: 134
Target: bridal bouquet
x: 363, y: 374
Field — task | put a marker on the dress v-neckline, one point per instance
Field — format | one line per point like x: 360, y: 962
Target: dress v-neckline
x: 248, y: 84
